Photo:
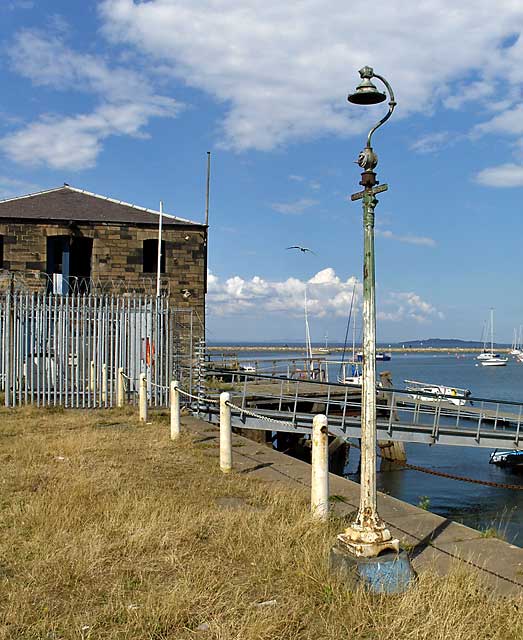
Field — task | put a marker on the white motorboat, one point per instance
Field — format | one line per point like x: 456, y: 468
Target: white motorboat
x: 511, y: 459
x: 494, y: 361
x: 438, y: 392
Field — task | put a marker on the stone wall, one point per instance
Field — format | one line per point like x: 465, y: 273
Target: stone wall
x: 117, y: 257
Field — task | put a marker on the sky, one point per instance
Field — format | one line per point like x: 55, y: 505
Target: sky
x: 124, y: 98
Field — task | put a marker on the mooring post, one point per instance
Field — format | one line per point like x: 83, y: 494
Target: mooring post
x: 225, y: 433
x: 104, y: 383
x: 175, y: 410
x: 143, y: 397
x: 120, y: 392
x: 320, y: 468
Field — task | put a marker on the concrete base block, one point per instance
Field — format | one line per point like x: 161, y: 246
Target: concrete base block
x: 388, y: 573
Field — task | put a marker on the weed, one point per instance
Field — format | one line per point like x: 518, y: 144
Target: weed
x: 424, y: 502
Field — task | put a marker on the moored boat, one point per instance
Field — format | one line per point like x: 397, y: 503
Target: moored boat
x: 454, y: 395
x: 510, y: 459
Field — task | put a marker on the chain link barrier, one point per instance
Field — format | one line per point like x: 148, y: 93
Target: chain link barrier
x: 443, y: 474
x: 260, y: 417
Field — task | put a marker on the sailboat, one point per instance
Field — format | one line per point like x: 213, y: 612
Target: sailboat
x: 350, y: 372
x: 322, y: 351
x: 492, y: 359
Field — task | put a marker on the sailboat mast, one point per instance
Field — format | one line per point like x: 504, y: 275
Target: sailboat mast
x: 308, y: 345
x: 492, y: 330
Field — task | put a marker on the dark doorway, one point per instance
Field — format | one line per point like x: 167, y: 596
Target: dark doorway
x: 69, y: 264
x: 150, y: 256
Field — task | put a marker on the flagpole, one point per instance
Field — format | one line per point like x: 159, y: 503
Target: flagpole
x: 159, y: 252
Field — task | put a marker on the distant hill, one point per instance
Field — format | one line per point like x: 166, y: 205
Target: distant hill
x: 443, y: 343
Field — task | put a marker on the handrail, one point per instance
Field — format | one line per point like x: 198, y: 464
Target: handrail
x: 423, y: 394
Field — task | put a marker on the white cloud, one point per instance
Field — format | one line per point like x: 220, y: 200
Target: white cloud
x: 294, y: 208
x: 295, y: 178
x: 15, y: 5
x: 431, y: 142
x: 327, y: 296
x: 282, y: 70
x: 127, y: 103
x: 470, y: 93
x: 400, y: 306
x: 504, y: 175
x: 408, y: 239
x: 508, y: 122
x: 11, y: 187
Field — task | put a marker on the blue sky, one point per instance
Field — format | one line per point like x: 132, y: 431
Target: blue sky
x: 125, y: 98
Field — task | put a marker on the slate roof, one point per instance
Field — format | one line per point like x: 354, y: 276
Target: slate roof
x: 67, y: 204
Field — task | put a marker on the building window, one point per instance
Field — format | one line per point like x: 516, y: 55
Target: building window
x: 69, y: 263
x: 150, y: 256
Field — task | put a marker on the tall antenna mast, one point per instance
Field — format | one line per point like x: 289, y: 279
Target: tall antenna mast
x: 208, y: 187
x: 159, y: 252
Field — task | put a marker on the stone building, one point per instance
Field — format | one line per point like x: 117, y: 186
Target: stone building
x: 68, y: 239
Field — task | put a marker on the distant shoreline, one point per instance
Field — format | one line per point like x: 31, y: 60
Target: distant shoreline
x: 289, y: 349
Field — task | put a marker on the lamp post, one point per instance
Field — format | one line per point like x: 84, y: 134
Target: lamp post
x: 367, y: 536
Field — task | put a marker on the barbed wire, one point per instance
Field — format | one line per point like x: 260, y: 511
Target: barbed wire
x: 25, y: 282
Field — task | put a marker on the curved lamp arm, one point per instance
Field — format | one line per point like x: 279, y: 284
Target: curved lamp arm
x: 392, y: 104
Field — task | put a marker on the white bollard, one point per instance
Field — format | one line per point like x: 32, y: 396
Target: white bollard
x: 104, y: 383
x: 142, y: 395
x: 175, y: 410
x: 320, y: 468
x: 225, y: 433
x: 120, y: 391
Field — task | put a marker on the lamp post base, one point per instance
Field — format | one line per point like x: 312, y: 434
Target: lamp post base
x: 365, y: 541
x: 390, y: 572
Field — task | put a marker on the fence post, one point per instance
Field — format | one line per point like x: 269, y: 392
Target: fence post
x: 93, y: 385
x: 175, y: 410
x: 320, y: 468
x: 104, y: 383
x: 120, y: 395
x: 143, y: 397
x: 225, y: 433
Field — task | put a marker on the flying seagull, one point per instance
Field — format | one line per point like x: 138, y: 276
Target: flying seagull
x: 302, y: 249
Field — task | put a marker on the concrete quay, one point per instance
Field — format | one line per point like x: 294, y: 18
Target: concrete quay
x: 433, y: 543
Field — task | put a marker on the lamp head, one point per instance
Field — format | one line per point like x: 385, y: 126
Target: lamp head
x: 366, y: 92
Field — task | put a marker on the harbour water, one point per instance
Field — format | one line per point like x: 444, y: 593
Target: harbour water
x: 476, y: 505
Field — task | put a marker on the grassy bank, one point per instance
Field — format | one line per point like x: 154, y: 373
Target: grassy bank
x: 109, y: 530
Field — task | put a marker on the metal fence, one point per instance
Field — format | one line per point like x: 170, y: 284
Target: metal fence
x: 67, y: 350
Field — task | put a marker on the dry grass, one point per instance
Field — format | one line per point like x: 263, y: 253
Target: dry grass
x: 108, y: 530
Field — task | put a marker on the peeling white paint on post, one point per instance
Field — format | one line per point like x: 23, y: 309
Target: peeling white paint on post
x: 175, y: 410
x: 225, y: 433
x: 120, y: 395
x: 93, y: 384
x: 104, y: 383
x: 320, y: 468
x: 143, y: 397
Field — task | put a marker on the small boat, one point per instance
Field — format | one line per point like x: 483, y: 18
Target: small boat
x: 380, y: 355
x: 495, y: 360
x: 511, y: 459
x: 437, y: 392
x: 321, y: 351
x: 248, y: 368
x: 352, y: 375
